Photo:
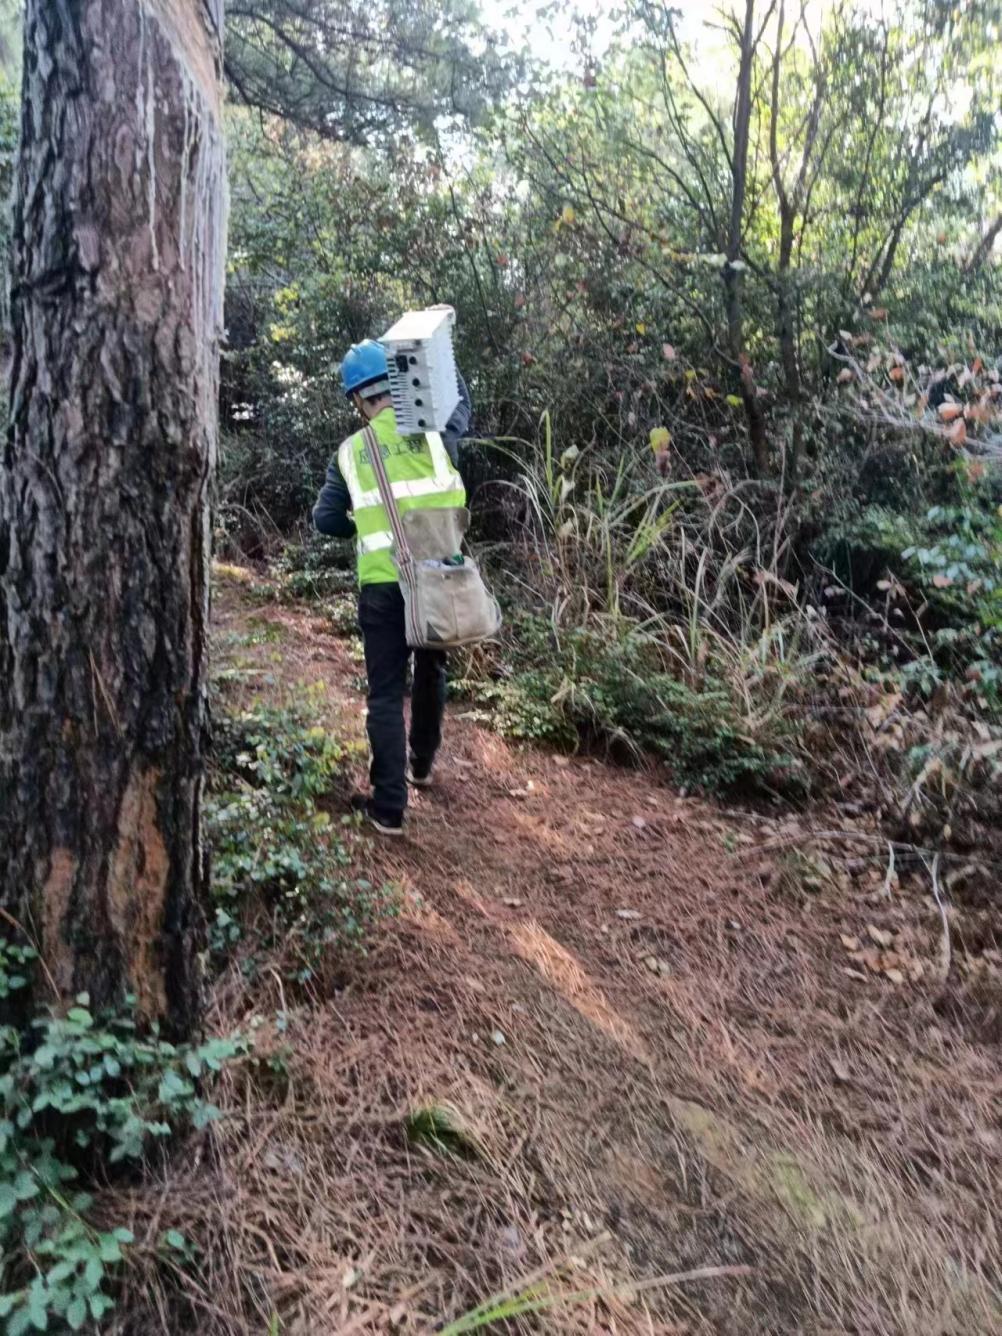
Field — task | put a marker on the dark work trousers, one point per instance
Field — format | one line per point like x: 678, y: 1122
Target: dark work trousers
x: 381, y: 617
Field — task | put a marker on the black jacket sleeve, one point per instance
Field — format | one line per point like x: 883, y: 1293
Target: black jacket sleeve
x: 330, y: 514
x: 459, y: 424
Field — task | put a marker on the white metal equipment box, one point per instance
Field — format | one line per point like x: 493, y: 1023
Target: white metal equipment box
x: 422, y: 369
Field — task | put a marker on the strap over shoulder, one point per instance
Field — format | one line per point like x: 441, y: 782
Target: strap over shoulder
x: 401, y: 547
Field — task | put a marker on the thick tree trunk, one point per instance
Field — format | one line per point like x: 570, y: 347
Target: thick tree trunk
x: 119, y: 239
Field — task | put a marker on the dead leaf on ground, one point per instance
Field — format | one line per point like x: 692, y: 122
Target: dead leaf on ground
x: 957, y: 434
x: 839, y: 1070
x: 880, y: 936
x: 628, y: 913
x: 850, y: 943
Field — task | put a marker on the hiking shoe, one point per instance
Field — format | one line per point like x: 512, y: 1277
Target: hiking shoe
x: 386, y: 823
x: 419, y: 775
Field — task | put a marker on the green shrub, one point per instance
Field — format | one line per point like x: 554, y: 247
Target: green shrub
x: 616, y: 691
x: 939, y: 575
x: 77, y: 1092
x: 317, y: 570
x: 281, y: 749
x: 276, y: 853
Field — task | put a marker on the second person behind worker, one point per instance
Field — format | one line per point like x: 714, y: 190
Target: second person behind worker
x: 422, y: 473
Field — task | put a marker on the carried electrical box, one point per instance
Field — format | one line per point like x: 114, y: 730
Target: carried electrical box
x: 422, y: 369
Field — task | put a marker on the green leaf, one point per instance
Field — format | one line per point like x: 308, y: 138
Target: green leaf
x: 76, y: 1314
x: 19, y: 1322
x: 80, y: 1016
x: 26, y: 1186
x: 94, y: 1272
x: 7, y: 1302
x: 38, y: 1311
x: 171, y: 1087
x: 175, y: 1239
x: 734, y: 400
x: 99, y: 1305
x: 205, y: 1114
x: 60, y: 1272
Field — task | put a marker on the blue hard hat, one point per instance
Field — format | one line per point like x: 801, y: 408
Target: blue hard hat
x: 364, y: 365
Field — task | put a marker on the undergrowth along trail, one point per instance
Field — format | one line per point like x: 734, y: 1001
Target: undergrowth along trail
x: 613, y: 1034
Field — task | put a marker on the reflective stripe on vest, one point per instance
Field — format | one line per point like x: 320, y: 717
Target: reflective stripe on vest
x: 420, y: 476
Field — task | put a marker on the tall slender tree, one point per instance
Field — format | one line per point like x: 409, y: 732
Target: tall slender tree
x: 118, y: 255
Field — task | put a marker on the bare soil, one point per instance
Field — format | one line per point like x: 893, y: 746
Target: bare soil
x: 676, y: 1037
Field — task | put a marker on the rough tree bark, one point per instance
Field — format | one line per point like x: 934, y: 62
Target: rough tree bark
x: 119, y: 240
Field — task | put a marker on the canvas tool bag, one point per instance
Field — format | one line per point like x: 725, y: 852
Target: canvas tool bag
x: 445, y: 607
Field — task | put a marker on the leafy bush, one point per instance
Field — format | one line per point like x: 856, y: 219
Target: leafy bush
x: 939, y: 577
x: 319, y: 569
x: 77, y: 1092
x: 616, y: 691
x: 281, y: 749
x: 276, y: 852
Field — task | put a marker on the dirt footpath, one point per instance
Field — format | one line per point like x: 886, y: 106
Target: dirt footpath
x: 657, y: 1042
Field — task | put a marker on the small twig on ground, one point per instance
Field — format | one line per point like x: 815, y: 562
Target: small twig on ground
x: 888, y: 879
x: 945, y: 954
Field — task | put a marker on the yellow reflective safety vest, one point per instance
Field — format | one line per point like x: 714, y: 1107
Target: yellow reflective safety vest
x: 421, y: 474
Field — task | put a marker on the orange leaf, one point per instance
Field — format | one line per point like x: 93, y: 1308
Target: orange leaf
x: 957, y: 434
x: 896, y: 373
x: 941, y: 581
x: 844, y: 376
x: 948, y: 411
x: 976, y: 366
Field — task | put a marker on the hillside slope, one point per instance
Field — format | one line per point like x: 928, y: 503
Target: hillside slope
x: 613, y: 1035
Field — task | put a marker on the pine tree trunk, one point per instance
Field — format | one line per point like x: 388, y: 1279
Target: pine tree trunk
x: 119, y: 239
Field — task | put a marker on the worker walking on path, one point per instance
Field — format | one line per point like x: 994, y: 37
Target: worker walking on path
x: 422, y: 473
